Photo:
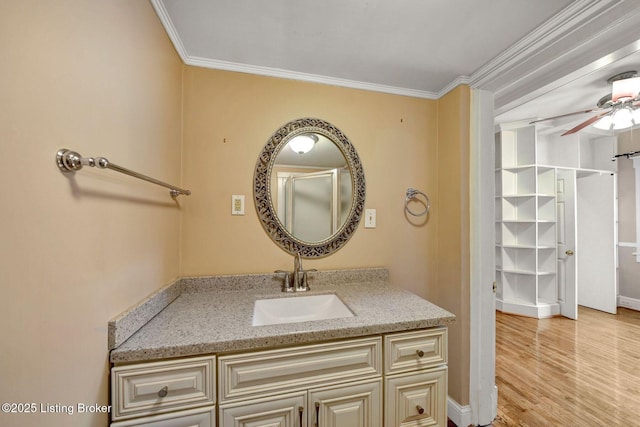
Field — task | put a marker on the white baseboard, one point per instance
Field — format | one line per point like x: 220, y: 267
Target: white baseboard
x: 626, y: 302
x: 539, y: 311
x: 461, y: 415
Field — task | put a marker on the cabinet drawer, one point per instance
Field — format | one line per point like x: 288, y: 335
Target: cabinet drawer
x: 417, y: 399
x: 201, y: 417
x: 253, y: 374
x: 154, y: 388
x: 415, y: 350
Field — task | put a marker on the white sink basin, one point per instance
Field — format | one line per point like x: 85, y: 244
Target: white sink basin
x: 276, y: 311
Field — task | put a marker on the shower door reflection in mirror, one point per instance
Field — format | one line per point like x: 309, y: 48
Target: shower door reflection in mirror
x: 313, y: 205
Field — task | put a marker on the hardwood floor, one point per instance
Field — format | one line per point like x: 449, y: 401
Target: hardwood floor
x: 560, y: 372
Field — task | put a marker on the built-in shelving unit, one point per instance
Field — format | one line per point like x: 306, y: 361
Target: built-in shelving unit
x: 525, y: 226
x: 527, y: 163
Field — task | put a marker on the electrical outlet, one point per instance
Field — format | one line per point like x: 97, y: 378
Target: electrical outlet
x: 237, y: 205
x: 369, y: 218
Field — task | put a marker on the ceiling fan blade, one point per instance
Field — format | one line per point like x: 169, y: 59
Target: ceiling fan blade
x: 592, y: 110
x: 586, y: 123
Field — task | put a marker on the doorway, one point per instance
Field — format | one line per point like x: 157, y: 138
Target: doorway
x: 556, y: 237
x: 586, y: 224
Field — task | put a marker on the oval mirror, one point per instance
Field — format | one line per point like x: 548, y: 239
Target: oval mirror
x: 309, y: 188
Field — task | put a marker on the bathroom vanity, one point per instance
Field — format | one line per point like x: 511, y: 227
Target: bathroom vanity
x: 190, y: 355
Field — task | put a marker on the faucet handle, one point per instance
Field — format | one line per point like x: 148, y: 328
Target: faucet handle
x: 287, y: 286
x: 305, y: 284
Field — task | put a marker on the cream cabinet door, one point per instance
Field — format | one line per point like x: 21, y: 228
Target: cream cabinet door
x: 280, y: 411
x: 352, y: 405
x: 204, y: 417
x: 417, y: 399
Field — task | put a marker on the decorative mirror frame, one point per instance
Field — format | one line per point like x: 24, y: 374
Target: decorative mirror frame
x: 262, y: 185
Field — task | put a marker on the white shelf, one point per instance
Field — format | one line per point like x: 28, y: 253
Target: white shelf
x: 525, y: 211
x: 518, y: 168
x: 524, y: 272
x: 519, y: 181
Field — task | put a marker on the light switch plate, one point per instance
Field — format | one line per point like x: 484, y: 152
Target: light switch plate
x: 237, y: 204
x: 369, y: 218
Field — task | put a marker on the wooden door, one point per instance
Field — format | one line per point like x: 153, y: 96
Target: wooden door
x: 566, y: 229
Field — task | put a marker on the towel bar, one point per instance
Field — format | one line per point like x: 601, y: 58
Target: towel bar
x: 70, y: 161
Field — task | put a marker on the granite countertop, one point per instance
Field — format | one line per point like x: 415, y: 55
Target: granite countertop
x: 208, y: 316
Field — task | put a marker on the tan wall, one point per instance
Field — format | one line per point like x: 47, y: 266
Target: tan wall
x: 628, y: 268
x: 102, y: 78
x: 228, y: 117
x: 453, y: 281
x: 403, y: 142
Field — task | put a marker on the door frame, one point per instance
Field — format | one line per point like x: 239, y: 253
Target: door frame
x: 483, y: 393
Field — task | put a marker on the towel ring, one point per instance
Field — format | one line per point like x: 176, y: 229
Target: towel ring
x: 412, y: 193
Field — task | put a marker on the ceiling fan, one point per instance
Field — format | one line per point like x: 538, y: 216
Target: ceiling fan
x: 618, y: 110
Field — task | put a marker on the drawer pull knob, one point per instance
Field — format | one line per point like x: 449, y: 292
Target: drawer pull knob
x: 420, y: 353
x: 163, y: 391
x: 420, y: 409
x: 300, y: 412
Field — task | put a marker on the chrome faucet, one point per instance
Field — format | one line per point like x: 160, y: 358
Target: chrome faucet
x: 299, y: 275
x: 293, y: 281
x: 296, y: 281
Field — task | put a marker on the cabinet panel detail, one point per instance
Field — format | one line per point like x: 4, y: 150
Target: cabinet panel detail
x: 415, y: 350
x: 417, y: 399
x: 246, y: 375
x: 353, y: 405
x: 154, y: 388
x: 281, y: 411
x: 202, y: 417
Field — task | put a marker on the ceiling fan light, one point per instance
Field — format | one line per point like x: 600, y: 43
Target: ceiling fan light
x: 622, y: 119
x: 604, y: 123
x: 625, y: 89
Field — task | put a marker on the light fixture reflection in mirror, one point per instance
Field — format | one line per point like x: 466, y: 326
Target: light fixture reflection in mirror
x: 304, y: 143
x: 309, y: 203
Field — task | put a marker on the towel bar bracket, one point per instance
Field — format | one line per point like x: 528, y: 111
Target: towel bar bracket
x: 71, y: 161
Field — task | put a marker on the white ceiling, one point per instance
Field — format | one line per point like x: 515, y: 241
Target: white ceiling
x: 414, y: 46
x: 540, y: 58
x: 579, y: 91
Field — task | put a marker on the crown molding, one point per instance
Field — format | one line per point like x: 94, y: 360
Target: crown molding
x: 460, y: 80
x: 312, y: 78
x: 161, y: 10
x: 167, y: 23
x: 580, y: 37
x: 535, y: 43
x: 580, y: 34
